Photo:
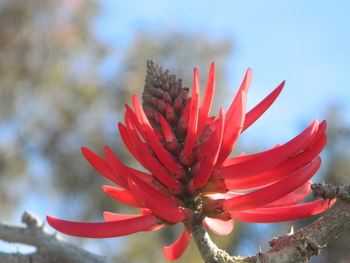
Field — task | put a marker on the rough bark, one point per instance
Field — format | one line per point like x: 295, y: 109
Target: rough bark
x: 297, y: 247
x: 310, y: 240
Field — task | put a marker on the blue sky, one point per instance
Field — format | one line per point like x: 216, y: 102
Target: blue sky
x: 306, y: 43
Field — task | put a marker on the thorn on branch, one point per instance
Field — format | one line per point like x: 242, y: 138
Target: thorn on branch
x: 31, y: 220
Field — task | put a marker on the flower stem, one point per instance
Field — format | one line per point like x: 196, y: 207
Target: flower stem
x: 208, y: 250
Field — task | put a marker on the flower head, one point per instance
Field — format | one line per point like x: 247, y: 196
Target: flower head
x: 186, y: 152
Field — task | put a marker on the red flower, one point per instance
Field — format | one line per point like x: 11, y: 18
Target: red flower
x: 187, y: 155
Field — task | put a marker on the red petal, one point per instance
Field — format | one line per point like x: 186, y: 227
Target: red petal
x: 234, y: 119
x: 273, y: 192
x: 207, y: 100
x: 104, y: 229
x: 159, y: 207
x: 279, y: 172
x: 138, y: 144
x: 151, y: 163
x: 175, y: 250
x: 207, y: 163
x: 101, y: 166
x: 219, y: 227
x: 284, y: 213
x: 244, y: 158
x: 193, y: 120
x: 166, y: 129
x: 264, y: 161
x: 294, y: 197
x: 155, y: 193
x: 172, y: 143
x: 122, y: 170
x: 123, y: 196
x: 259, y: 109
x: 129, y: 143
x: 162, y: 174
x: 118, y: 168
x: 215, y: 185
x: 146, y: 211
x: 152, y: 141
x: 204, y: 141
x: 109, y: 216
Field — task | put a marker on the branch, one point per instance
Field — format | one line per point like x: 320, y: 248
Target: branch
x: 49, y: 248
x: 327, y: 191
x: 298, y: 247
x: 310, y: 240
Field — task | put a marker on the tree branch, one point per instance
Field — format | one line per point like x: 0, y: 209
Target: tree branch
x: 310, y: 240
x: 327, y: 191
x: 298, y: 247
x: 49, y: 249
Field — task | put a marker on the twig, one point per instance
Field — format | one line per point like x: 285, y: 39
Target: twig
x: 49, y: 249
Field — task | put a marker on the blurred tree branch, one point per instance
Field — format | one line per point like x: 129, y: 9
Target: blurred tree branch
x: 49, y: 248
